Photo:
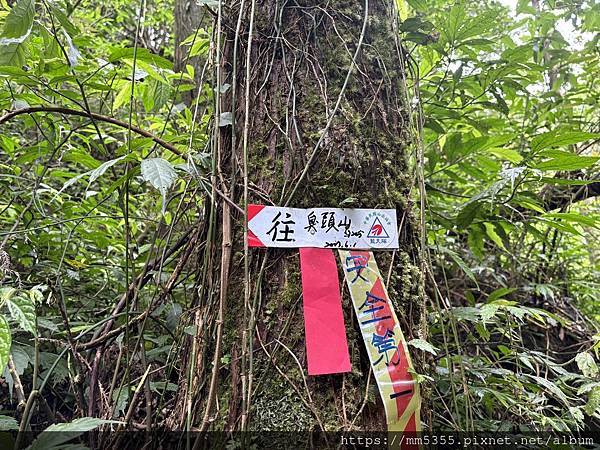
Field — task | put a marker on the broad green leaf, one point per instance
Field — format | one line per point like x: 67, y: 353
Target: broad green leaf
x: 155, y: 95
x: 528, y: 203
x: 558, y: 139
x: 423, y: 345
x: 124, y: 95
x: 22, y: 310
x: 21, y: 358
x: 199, y: 47
x: 12, y: 54
x: 587, y: 365
x: 63, y: 19
x: 8, y: 423
x: 466, y: 313
x: 5, y: 342
x: 12, y: 72
x: 160, y: 174
x: 101, y: 170
x: 593, y: 402
x: 17, y: 28
x: 506, y: 154
x: 490, y: 230
x: 500, y: 293
x: 560, y: 225
x: 141, y: 54
x: 475, y: 241
x: 60, y: 433
x: 488, y: 311
x: 18, y: 23
x: 567, y: 182
x: 566, y: 163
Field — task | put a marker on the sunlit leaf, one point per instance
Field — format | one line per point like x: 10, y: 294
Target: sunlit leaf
x: 560, y: 138
x: 160, y: 174
x: 587, y: 365
x: 5, y: 342
x: 22, y: 310
x: 566, y: 163
x: 423, y: 345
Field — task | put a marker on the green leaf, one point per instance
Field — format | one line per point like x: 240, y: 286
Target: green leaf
x: 22, y: 310
x: 587, y: 365
x: 6, y: 294
x: 8, y: 423
x: 63, y: 19
x: 500, y: 293
x: 558, y: 139
x: 475, y: 242
x: 160, y: 174
x: 5, y: 342
x: 488, y: 311
x: 567, y: 162
x: 423, y: 345
x: 559, y: 225
x: 18, y: 23
x: 57, y: 434
x: 576, y: 414
x: 140, y: 54
x: 93, y: 174
x: 575, y: 218
x: 460, y: 263
x: 593, y: 401
x: 155, y: 95
x: 466, y: 313
x: 124, y: 95
x: 552, y: 388
x: 101, y: 170
x: 17, y: 28
x: 506, y: 154
x: 467, y: 214
x: 493, y: 235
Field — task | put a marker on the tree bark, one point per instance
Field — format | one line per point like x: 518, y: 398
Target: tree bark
x: 300, y: 58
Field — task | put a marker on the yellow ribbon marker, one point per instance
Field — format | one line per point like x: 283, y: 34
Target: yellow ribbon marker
x: 384, y: 341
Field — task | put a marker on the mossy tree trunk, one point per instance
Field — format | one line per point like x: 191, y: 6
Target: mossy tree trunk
x: 300, y: 58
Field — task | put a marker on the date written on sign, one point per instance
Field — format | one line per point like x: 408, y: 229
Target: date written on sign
x: 273, y: 226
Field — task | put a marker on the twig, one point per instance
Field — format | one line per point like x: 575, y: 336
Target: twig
x: 25, y: 419
x: 102, y: 118
x: 17, y: 380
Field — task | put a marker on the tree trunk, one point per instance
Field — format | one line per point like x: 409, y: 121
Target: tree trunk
x: 300, y: 58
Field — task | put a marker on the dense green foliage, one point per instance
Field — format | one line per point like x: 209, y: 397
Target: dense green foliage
x: 510, y: 148
x: 104, y: 169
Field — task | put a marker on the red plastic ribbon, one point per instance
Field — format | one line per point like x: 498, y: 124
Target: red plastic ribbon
x: 326, y: 344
